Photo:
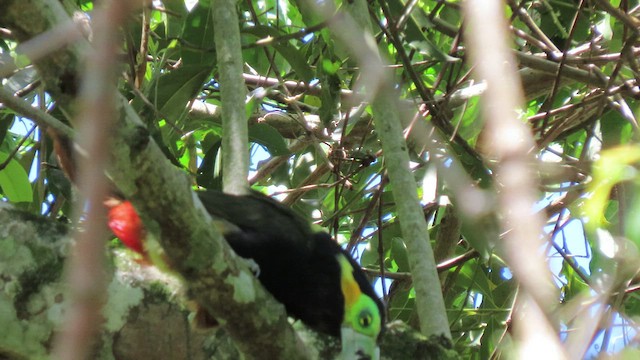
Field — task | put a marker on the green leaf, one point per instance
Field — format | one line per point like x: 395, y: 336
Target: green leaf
x: 426, y: 47
x: 632, y: 225
x: 399, y: 254
x: 473, y: 275
x: 469, y: 126
x: 197, y: 35
x: 15, y: 181
x: 401, y: 306
x: 613, y: 167
x: 370, y: 255
x: 175, y: 17
x: 209, y: 173
x: 175, y: 89
x: 603, y: 257
x: 615, y: 129
x: 6, y: 120
x: 254, y: 102
x: 575, y: 285
x: 416, y: 31
x: 330, y: 67
x: 268, y: 137
x: 330, y: 97
x: 296, y: 59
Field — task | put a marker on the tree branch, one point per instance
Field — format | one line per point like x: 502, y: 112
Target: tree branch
x: 37, y: 115
x: 235, y: 139
x: 378, y: 84
x: 509, y: 143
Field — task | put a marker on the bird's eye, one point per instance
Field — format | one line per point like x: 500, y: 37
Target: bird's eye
x: 365, y: 319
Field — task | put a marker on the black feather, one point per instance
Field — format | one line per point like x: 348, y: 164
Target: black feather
x: 297, y: 266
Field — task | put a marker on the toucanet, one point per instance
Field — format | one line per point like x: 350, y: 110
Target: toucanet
x: 316, y: 280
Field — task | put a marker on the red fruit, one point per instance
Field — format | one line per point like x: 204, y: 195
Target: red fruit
x: 127, y: 226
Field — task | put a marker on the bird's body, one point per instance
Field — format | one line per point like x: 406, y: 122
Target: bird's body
x: 310, y: 274
x: 297, y: 266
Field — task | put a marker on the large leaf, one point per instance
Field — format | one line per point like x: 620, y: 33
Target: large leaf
x: 175, y: 89
x: 175, y: 18
x: 15, y: 181
x: 613, y: 167
x: 198, y: 46
x: 209, y: 173
x: 268, y: 137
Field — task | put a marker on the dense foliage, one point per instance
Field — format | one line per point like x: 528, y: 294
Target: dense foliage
x: 313, y: 144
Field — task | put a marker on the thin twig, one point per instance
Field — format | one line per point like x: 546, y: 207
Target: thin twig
x: 32, y: 113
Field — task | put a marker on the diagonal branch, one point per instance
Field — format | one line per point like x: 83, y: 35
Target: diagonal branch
x: 376, y: 80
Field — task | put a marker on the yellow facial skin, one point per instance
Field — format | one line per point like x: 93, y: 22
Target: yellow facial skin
x: 360, y: 311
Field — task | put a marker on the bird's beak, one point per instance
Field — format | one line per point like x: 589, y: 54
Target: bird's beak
x: 357, y: 346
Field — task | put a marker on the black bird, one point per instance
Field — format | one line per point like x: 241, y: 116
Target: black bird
x: 316, y: 280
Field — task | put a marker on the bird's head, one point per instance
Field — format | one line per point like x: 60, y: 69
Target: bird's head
x: 362, y: 320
